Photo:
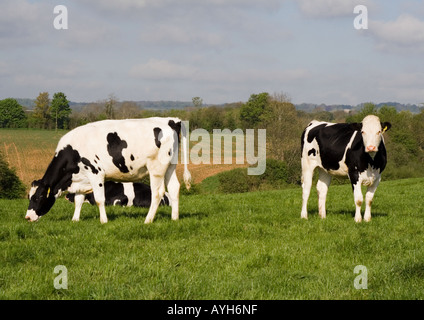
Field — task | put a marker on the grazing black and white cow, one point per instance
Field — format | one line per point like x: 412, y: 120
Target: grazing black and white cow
x: 355, y: 150
x: 117, y: 150
x: 125, y: 194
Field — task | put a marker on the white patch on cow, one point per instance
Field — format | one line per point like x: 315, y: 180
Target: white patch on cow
x: 129, y: 192
x: 369, y: 176
x: 166, y: 195
x: 32, y: 216
x: 371, y: 134
x: 32, y: 192
x: 343, y: 169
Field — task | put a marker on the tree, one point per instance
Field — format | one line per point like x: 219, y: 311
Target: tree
x: 60, y: 110
x: 367, y: 109
x: 12, y: 114
x: 253, y: 111
x: 110, y: 106
x: 10, y: 185
x: 42, y: 110
x: 283, y: 130
x: 197, y: 102
x: 128, y: 110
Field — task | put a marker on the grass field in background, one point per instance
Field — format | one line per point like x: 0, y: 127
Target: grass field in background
x: 239, y: 246
x: 31, y: 151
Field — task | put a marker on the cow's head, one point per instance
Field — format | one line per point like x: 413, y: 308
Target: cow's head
x: 372, y: 132
x: 40, y: 200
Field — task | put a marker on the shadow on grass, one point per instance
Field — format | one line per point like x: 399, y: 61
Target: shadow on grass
x: 345, y: 212
x: 161, y: 214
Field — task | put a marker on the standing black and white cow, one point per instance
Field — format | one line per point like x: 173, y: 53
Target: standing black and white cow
x: 125, y: 194
x: 117, y: 150
x: 355, y: 150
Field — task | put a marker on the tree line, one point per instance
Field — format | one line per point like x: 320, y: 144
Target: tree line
x: 47, y: 114
x: 275, y: 113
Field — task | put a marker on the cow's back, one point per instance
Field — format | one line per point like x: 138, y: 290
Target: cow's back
x: 118, y: 149
x: 326, y: 144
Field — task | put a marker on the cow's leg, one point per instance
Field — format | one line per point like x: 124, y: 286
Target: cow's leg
x: 99, y: 196
x: 173, y: 186
x: 307, y: 174
x: 158, y: 190
x: 368, y: 199
x: 358, y: 197
x: 78, y: 200
x: 322, y: 188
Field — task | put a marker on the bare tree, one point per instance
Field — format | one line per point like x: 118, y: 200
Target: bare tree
x: 110, y: 105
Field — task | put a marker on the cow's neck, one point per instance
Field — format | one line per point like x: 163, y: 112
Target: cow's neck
x: 58, y: 175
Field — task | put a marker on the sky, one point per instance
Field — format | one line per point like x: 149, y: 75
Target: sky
x: 220, y: 50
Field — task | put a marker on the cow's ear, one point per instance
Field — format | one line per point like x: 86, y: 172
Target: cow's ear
x: 356, y: 126
x: 37, y: 183
x: 386, y: 126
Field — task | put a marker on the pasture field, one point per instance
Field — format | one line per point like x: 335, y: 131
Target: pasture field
x: 238, y: 246
x: 30, y: 152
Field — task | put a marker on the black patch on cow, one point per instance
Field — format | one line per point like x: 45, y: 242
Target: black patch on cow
x: 58, y: 176
x: 143, y: 195
x: 87, y: 164
x: 114, y: 193
x: 176, y: 126
x: 332, y: 141
x: 100, y: 185
x: 114, y: 148
x: 132, y: 157
x: 97, y: 157
x: 357, y: 160
x: 312, y: 151
x: 165, y: 201
x: 156, y: 132
x: 88, y: 197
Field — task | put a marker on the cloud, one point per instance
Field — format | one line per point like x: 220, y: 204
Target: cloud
x: 406, y: 32
x: 130, y: 5
x: 23, y: 23
x: 329, y: 8
x: 156, y: 69
x: 170, y: 34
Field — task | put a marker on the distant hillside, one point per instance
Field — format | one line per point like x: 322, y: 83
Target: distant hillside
x: 149, y: 105
x: 311, y: 107
x: 169, y: 105
x: 27, y: 103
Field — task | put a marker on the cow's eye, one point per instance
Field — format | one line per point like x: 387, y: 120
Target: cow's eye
x: 362, y: 132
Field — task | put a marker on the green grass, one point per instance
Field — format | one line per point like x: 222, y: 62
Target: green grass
x: 238, y: 246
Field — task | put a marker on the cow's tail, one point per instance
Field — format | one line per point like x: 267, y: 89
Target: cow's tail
x: 186, y: 175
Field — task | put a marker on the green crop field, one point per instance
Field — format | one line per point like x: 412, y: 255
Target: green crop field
x: 239, y: 246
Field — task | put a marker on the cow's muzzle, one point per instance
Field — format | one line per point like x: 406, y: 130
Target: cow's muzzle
x: 32, y: 216
x: 371, y: 148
